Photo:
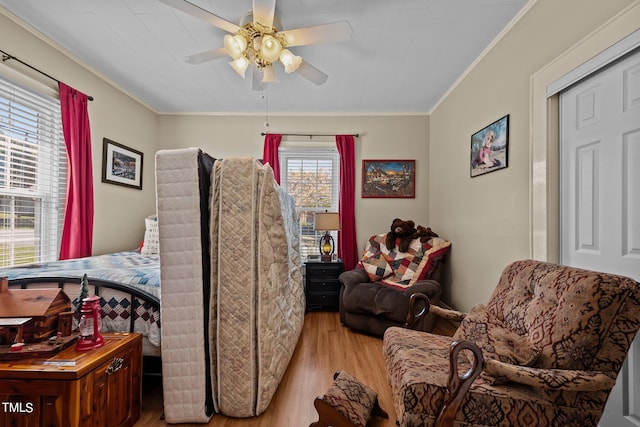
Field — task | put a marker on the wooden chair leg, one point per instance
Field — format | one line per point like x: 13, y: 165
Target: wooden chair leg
x: 378, y: 411
x: 328, y: 415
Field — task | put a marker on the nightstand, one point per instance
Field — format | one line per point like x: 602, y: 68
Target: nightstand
x: 322, y: 288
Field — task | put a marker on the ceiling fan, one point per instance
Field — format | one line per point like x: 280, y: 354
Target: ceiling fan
x: 260, y: 44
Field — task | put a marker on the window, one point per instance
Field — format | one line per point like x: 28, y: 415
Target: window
x: 33, y: 166
x: 312, y: 177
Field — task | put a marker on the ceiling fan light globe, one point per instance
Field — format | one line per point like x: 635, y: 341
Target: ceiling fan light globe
x: 235, y: 45
x: 240, y: 65
x: 270, y: 48
x: 290, y: 61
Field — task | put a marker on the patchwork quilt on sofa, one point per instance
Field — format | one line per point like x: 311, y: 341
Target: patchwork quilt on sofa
x: 402, y: 269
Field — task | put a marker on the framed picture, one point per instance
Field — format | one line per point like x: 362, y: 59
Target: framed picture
x: 121, y: 165
x: 389, y: 178
x: 489, y: 147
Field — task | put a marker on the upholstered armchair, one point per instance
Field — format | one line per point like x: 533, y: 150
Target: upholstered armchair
x: 375, y: 295
x: 544, y: 351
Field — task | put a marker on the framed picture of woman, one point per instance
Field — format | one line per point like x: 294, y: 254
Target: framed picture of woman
x: 489, y: 147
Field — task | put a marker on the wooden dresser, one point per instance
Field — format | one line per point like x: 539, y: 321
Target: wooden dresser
x: 100, y: 387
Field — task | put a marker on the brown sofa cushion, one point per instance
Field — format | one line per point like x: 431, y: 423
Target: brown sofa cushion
x: 418, y: 367
x: 375, y: 298
x: 540, y: 300
x: 494, y: 339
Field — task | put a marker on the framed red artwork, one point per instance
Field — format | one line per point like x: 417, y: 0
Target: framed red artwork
x: 389, y: 178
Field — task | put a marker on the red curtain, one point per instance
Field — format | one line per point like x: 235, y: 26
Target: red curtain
x: 347, y: 243
x: 270, y: 153
x: 77, y: 232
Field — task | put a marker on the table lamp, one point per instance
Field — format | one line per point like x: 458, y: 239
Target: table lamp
x: 326, y: 221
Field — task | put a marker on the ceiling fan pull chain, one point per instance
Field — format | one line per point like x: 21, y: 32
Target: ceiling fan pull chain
x: 266, y: 103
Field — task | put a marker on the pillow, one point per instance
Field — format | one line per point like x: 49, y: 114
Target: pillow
x: 151, y: 243
x: 494, y: 339
x: 377, y: 266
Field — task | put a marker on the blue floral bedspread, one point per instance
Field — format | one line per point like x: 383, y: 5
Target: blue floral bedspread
x: 129, y: 268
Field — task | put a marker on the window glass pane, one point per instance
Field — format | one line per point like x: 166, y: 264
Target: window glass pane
x: 311, y: 176
x: 32, y: 176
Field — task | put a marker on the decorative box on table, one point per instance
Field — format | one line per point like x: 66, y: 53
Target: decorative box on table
x: 43, y: 306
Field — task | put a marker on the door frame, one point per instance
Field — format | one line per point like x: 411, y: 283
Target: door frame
x: 611, y: 39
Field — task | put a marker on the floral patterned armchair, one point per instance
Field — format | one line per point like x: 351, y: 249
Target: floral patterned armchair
x: 544, y: 351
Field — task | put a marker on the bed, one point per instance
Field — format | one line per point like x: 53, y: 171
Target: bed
x: 128, y: 283
x: 232, y: 290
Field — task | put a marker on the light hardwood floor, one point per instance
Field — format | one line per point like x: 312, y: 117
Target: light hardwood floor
x: 325, y: 346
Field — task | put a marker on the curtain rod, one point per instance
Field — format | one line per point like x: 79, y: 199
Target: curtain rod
x: 310, y: 135
x: 7, y: 56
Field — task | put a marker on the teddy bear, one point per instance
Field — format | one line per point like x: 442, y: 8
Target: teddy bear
x: 403, y: 230
x: 424, y: 234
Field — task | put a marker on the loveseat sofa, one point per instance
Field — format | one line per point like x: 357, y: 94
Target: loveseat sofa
x: 547, y: 348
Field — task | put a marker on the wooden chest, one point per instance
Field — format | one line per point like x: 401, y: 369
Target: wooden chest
x: 43, y: 307
x: 100, y: 388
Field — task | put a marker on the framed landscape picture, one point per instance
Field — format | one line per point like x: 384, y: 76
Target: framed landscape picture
x: 388, y: 178
x: 121, y: 165
x: 490, y: 147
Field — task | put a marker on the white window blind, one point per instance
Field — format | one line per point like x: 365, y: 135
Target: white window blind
x: 33, y: 166
x: 312, y: 177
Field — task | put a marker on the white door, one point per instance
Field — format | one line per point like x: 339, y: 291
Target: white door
x: 600, y: 196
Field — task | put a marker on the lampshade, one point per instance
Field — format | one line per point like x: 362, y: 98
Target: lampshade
x: 235, y: 45
x: 290, y: 61
x: 270, y: 48
x: 240, y: 65
x: 327, y: 221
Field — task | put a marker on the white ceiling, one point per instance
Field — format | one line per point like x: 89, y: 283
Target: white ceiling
x: 403, y: 57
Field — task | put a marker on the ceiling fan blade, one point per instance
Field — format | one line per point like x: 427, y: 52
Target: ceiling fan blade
x: 324, y: 33
x: 311, y: 73
x: 263, y: 11
x: 205, y: 15
x: 206, y: 56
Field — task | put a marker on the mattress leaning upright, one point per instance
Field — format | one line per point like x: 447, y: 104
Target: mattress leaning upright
x: 256, y: 273
x: 232, y: 289
x: 182, y: 191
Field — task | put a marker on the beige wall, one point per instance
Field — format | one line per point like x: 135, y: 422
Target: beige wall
x: 119, y: 211
x: 381, y: 137
x: 488, y: 218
